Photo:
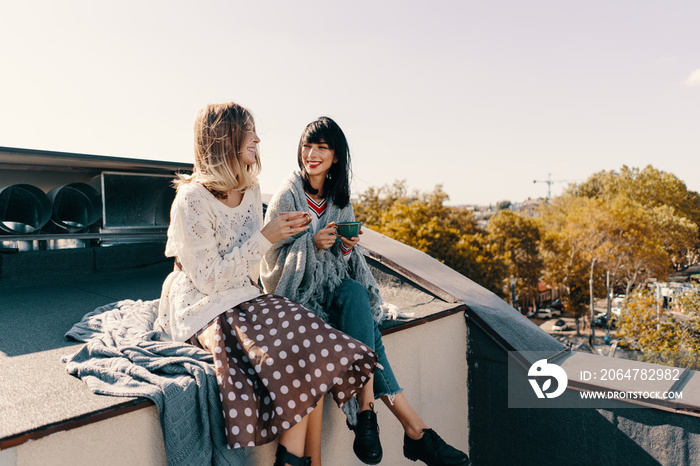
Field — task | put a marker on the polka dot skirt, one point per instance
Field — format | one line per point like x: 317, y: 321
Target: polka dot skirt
x: 274, y: 360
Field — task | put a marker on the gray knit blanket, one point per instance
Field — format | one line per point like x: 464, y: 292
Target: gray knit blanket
x: 123, y: 356
x: 294, y: 268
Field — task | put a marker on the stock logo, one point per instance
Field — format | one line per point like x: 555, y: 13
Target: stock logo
x: 546, y: 372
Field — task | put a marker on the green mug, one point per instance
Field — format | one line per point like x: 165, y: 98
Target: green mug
x: 348, y: 229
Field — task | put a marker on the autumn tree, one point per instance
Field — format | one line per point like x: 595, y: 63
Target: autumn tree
x: 634, y: 224
x: 575, y: 237
x: 675, y: 208
x: 515, y: 240
x: 423, y: 221
x: 638, y: 241
x: 654, y: 334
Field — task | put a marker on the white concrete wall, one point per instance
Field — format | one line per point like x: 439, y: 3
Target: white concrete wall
x: 134, y: 438
x: 430, y: 363
x: 429, y: 360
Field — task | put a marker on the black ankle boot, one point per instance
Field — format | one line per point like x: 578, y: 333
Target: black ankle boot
x: 433, y: 451
x: 283, y: 457
x: 366, y: 446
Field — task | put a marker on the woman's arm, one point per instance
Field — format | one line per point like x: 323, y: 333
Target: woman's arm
x: 273, y: 264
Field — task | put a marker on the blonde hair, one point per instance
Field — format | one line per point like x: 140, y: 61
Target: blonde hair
x: 219, y: 133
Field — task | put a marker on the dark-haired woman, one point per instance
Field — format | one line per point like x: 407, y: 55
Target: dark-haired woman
x: 324, y: 273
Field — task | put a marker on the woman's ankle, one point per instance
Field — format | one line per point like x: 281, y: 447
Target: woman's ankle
x: 366, y: 407
x: 414, y: 433
x: 285, y: 458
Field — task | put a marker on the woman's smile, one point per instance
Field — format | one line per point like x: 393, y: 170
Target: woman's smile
x: 317, y: 158
x: 250, y: 155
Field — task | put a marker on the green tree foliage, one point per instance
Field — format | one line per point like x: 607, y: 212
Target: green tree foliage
x: 421, y: 220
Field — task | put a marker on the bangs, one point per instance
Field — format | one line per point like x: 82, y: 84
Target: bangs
x: 317, y: 133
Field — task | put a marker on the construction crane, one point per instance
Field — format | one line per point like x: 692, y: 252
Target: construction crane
x: 549, y: 182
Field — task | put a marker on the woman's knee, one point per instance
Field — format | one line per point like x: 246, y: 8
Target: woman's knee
x: 353, y: 313
x: 351, y: 289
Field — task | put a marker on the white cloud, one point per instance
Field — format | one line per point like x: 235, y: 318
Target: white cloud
x: 693, y: 79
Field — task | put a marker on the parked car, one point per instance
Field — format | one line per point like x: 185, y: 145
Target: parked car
x: 555, y: 307
x: 601, y: 320
x: 556, y: 304
x: 543, y: 313
x: 560, y: 325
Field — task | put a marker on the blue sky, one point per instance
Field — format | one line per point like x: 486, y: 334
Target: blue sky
x: 481, y: 97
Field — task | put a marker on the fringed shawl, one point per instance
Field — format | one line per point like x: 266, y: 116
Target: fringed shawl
x: 294, y: 268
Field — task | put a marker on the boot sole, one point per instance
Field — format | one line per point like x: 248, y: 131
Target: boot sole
x: 369, y: 462
x: 372, y: 462
x: 415, y: 458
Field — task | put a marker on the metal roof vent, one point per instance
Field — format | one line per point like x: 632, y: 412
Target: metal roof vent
x: 24, y: 209
x: 76, y: 206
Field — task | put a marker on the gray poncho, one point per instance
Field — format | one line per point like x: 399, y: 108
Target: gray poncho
x: 296, y: 269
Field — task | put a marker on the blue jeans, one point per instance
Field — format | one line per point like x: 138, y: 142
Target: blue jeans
x: 350, y: 312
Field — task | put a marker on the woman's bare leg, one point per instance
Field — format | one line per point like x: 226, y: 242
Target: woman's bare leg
x: 412, y: 423
x: 312, y: 447
x: 366, y: 395
x: 295, y: 438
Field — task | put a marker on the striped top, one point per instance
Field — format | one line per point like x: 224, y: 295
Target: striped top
x: 317, y: 209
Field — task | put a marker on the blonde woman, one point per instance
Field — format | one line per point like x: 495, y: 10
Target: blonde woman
x: 274, y: 360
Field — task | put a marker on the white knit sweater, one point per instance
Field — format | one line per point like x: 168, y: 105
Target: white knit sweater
x: 217, y: 247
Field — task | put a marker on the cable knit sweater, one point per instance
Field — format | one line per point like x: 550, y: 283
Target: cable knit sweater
x: 217, y: 247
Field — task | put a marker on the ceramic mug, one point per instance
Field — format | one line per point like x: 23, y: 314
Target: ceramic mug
x: 308, y: 218
x: 348, y: 229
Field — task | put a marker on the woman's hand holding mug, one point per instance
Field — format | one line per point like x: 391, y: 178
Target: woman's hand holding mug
x: 325, y: 237
x: 349, y: 233
x: 285, y: 225
x: 350, y: 242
